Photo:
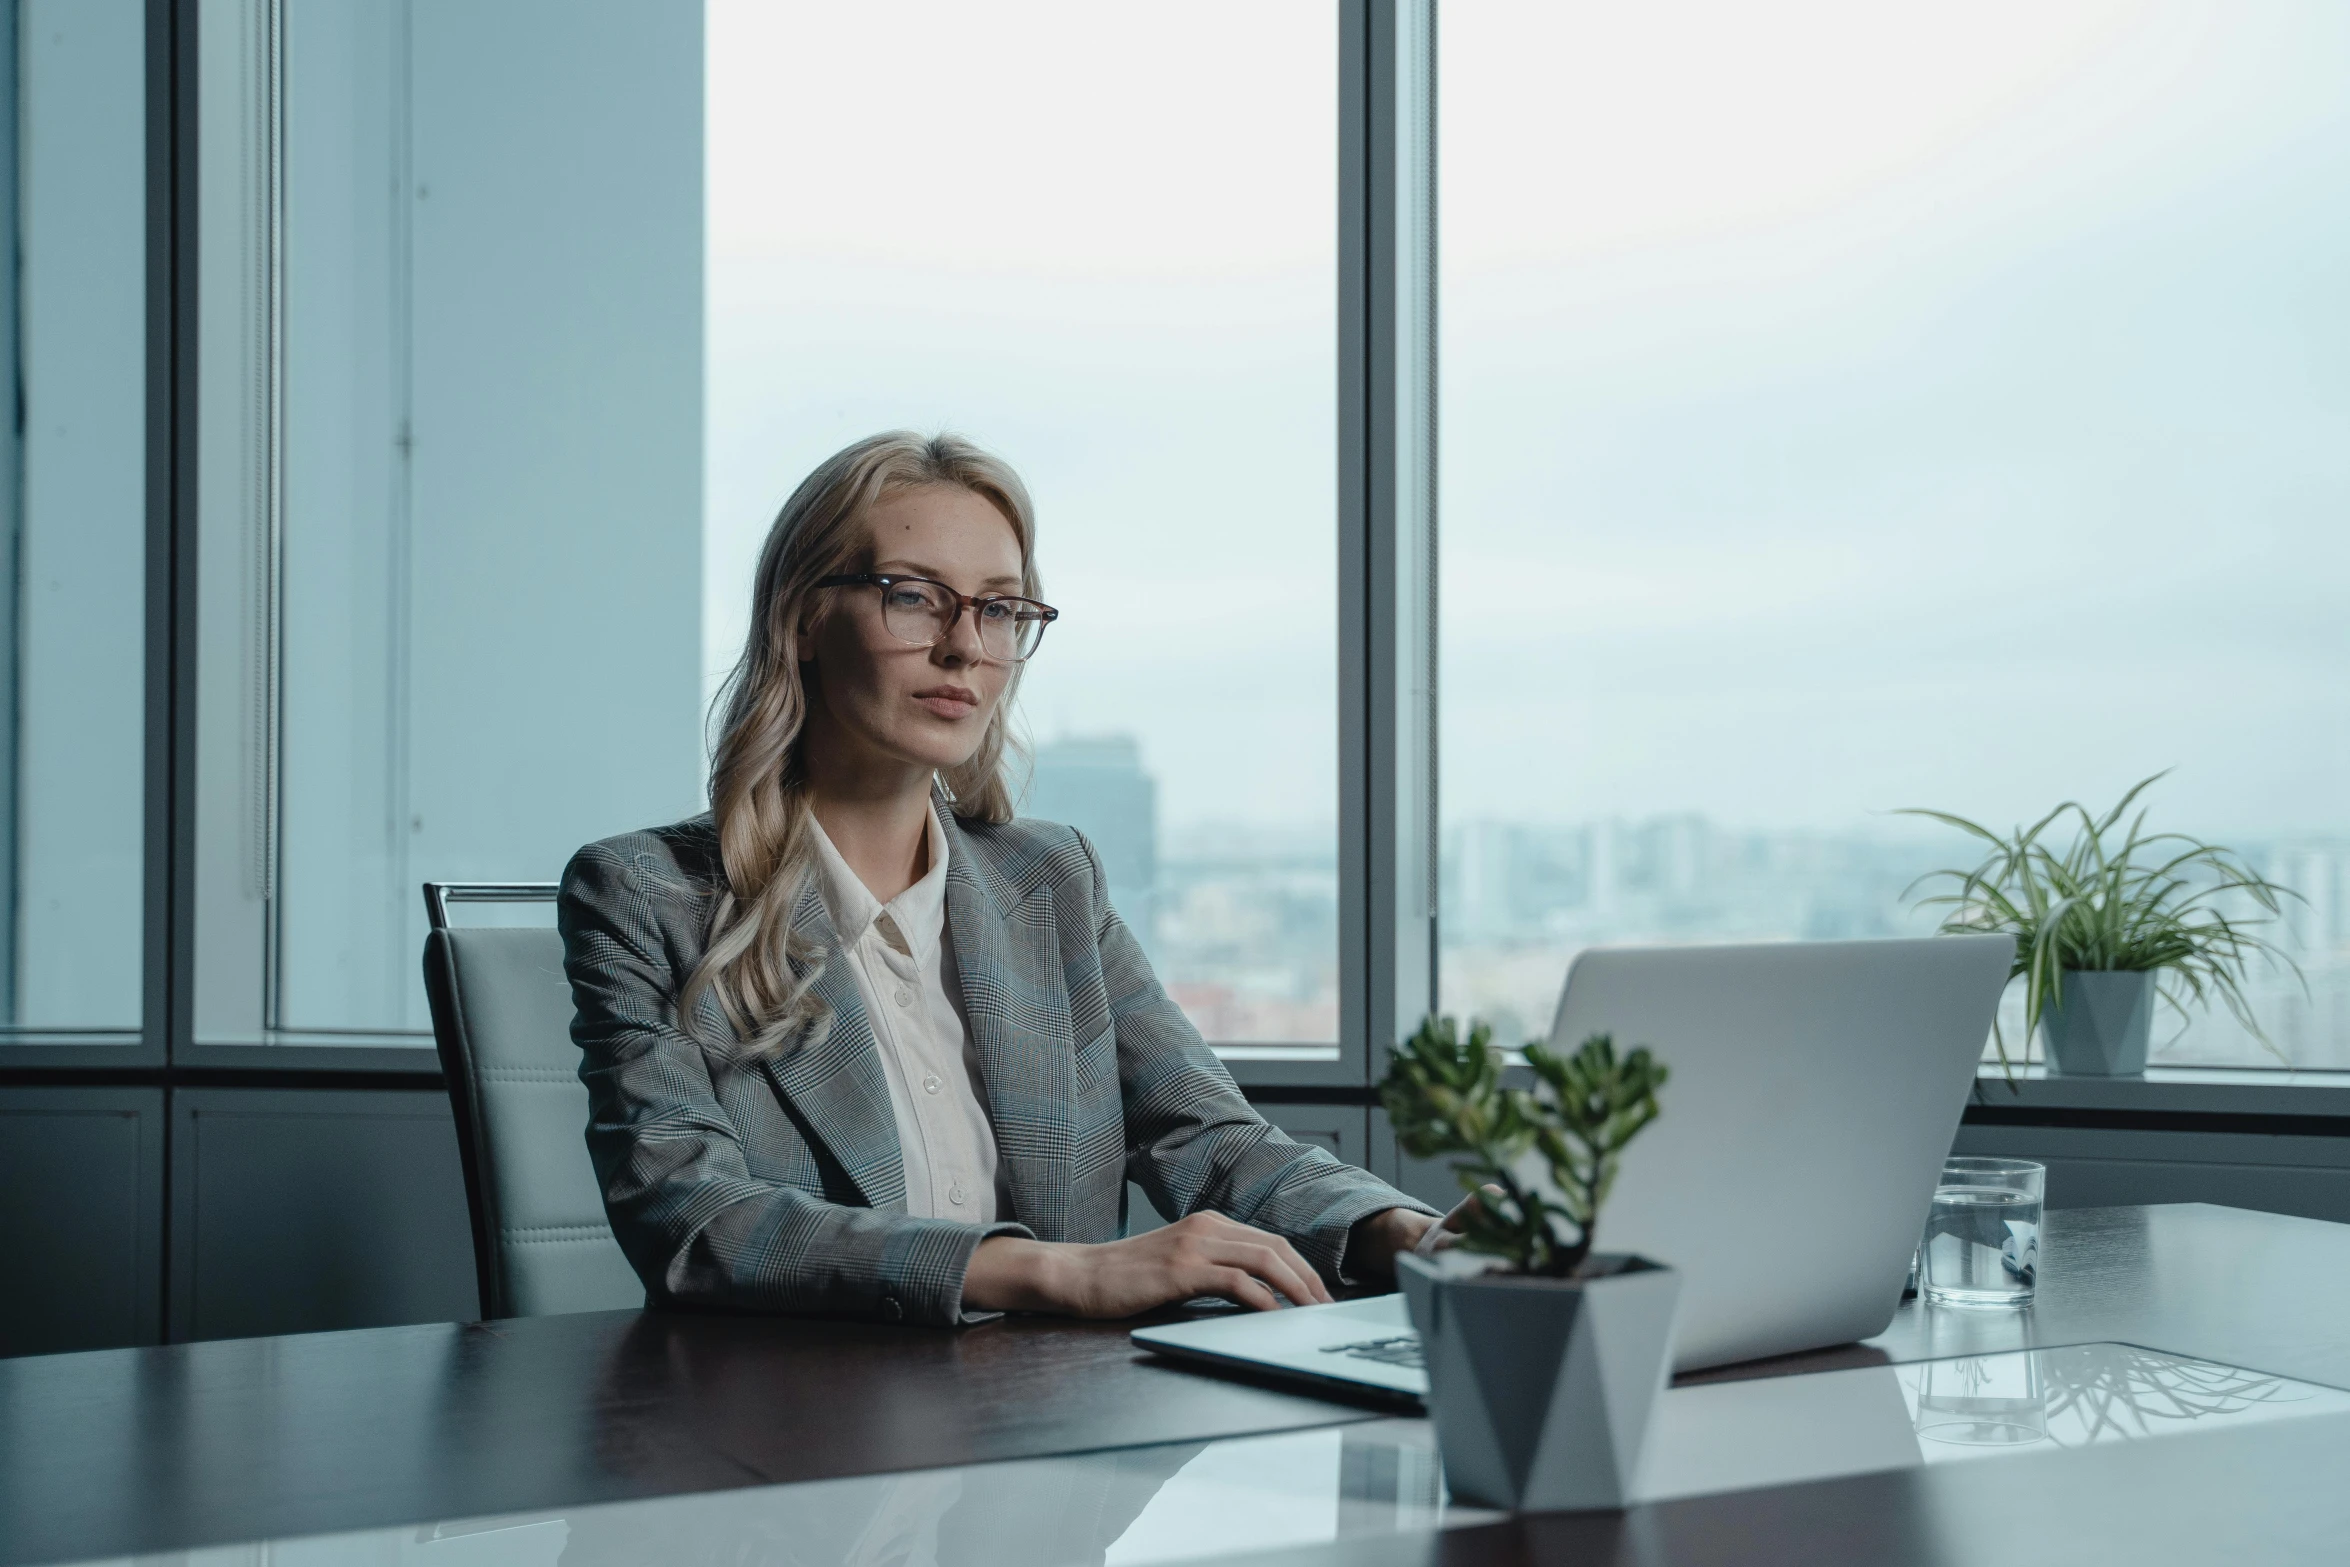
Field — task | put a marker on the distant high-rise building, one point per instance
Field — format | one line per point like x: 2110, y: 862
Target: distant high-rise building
x: 2314, y: 920
x: 1604, y: 873
x: 1098, y: 786
x: 1482, y: 905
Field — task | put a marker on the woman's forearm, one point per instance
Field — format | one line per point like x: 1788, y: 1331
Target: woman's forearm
x: 1011, y: 1273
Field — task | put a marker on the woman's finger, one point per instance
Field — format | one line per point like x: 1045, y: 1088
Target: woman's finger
x: 1266, y: 1263
x: 1458, y: 1219
x: 1317, y: 1294
x: 1238, y: 1284
x: 1307, y: 1271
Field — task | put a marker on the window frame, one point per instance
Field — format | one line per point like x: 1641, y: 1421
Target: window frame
x: 1385, y: 535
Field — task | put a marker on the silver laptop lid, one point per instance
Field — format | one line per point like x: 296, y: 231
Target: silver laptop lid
x: 1815, y: 1090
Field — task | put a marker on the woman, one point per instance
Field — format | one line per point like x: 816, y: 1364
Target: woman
x: 859, y: 1041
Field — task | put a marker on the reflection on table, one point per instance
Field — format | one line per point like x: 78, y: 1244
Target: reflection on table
x: 1192, y: 1500
x: 1167, y: 1503
x: 1782, y: 1431
x: 2081, y: 1394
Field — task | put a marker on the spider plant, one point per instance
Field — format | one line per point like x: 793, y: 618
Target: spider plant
x: 2116, y: 898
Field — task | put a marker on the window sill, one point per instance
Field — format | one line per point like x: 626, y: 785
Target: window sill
x: 2165, y: 1092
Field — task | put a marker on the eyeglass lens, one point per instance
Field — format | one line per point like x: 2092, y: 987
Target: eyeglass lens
x: 919, y: 612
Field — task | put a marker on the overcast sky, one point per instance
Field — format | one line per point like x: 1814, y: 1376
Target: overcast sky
x: 1845, y: 406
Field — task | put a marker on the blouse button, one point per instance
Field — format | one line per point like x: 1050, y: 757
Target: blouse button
x: 955, y: 1194
x: 904, y: 998
x: 930, y: 1084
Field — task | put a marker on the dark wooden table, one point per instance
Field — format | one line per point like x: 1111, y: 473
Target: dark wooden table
x: 117, y: 1452
x: 142, y: 1451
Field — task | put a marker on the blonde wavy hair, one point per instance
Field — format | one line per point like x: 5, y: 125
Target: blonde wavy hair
x: 757, y: 967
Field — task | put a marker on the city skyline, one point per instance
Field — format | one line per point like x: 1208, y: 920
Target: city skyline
x: 1242, y: 921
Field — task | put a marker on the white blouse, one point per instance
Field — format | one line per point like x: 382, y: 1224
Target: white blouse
x: 905, y: 973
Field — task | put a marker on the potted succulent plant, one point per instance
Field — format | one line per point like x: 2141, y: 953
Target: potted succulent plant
x: 2107, y: 924
x: 1545, y: 1365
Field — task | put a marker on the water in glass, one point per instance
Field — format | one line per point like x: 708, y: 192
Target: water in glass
x: 1982, y: 1246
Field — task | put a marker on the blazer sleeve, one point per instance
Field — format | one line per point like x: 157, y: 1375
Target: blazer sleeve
x: 1194, y: 1142
x: 698, y: 1227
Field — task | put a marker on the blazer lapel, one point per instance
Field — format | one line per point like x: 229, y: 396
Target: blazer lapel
x: 833, y: 1073
x: 1007, y: 957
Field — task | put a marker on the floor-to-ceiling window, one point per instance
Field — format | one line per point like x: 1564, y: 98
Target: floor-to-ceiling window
x: 513, y: 368
x: 1101, y: 241
x: 450, y: 614
x: 1852, y: 407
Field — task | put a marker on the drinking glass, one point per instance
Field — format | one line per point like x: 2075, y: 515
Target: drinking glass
x: 1982, y: 1245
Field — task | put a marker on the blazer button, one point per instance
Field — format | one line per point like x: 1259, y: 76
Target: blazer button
x: 891, y: 1311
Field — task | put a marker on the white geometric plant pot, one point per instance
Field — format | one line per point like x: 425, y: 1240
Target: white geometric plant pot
x: 2101, y: 1022
x: 1542, y: 1389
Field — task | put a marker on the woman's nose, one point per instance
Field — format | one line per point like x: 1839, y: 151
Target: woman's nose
x: 961, y: 643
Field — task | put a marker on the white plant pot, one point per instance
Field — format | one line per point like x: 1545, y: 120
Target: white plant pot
x: 1542, y: 1389
x: 2102, y: 1023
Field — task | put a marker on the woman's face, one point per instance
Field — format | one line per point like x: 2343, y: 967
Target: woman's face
x: 894, y: 700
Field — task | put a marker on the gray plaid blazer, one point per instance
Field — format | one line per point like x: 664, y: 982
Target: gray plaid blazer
x: 777, y: 1183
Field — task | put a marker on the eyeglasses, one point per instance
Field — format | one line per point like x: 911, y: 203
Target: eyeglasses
x: 922, y: 611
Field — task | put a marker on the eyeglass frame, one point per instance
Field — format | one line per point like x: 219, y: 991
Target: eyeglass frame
x: 885, y: 580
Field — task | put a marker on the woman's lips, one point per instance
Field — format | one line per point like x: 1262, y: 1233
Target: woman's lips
x: 948, y: 702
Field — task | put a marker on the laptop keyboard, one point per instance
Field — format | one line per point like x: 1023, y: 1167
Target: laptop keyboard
x: 1402, y: 1350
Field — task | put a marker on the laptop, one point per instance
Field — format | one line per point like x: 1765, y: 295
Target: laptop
x: 1815, y: 1090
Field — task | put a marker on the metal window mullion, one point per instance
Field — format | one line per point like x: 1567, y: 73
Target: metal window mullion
x: 1387, y: 489
x: 1355, y: 865
x: 171, y: 435
x: 269, y: 191
x: 12, y: 523
x: 168, y: 883
x: 1421, y: 131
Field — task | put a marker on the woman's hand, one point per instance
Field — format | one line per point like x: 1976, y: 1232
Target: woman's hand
x: 1205, y: 1254
x: 1373, y: 1244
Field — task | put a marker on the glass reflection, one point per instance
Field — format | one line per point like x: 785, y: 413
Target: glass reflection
x: 1982, y: 1401
x: 2084, y: 1394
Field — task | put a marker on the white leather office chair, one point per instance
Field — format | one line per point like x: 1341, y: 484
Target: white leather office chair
x: 501, y: 1017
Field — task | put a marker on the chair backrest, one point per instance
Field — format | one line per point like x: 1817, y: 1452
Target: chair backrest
x: 501, y: 1016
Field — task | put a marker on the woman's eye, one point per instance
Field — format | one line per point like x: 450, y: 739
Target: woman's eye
x: 906, y: 598
x: 997, y: 609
